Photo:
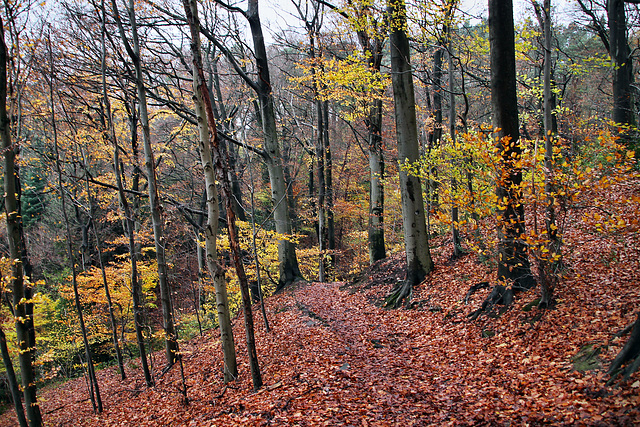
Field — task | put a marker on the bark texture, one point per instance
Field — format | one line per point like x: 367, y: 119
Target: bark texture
x: 205, y: 143
x: 513, y: 262
x: 419, y: 262
x: 16, y: 243
x: 288, y: 261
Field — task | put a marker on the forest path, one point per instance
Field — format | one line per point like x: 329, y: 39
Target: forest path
x: 372, y: 368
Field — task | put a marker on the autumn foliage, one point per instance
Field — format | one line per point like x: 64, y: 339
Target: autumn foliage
x: 334, y: 357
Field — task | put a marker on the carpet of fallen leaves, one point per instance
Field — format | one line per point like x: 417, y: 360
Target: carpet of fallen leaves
x: 334, y: 357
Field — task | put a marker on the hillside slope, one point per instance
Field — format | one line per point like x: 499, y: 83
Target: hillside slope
x: 334, y: 357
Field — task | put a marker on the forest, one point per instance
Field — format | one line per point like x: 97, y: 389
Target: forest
x: 319, y: 212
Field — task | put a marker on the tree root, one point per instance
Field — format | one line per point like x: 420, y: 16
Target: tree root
x: 500, y: 295
x: 473, y: 289
x: 629, y: 355
x: 400, y: 295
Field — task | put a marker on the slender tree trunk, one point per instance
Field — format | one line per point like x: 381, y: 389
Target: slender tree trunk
x: 207, y: 134
x: 129, y: 225
x: 376, y: 191
x: 11, y: 379
x: 419, y: 262
x: 254, y: 246
x: 14, y: 221
x: 550, y: 261
x: 220, y: 163
x: 320, y: 157
x: 455, y: 235
x: 105, y: 284
x: 107, y: 120
x: 133, y: 50
x: 136, y: 288
x: 94, y: 389
x: 328, y: 164
x: 436, y: 136
x: 288, y: 261
x: 513, y: 261
x: 233, y: 158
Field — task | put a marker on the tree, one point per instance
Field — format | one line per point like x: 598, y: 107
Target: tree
x: 129, y: 226
x: 133, y: 50
x: 362, y: 17
x: 205, y: 136
x: 623, y: 111
x: 16, y: 244
x: 514, y: 271
x: 94, y: 389
x: 287, y: 258
x: 219, y: 160
x: 419, y: 262
x: 14, y: 388
x: 616, y: 43
x: 550, y: 260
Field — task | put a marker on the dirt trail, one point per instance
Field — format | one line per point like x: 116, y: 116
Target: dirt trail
x: 379, y: 372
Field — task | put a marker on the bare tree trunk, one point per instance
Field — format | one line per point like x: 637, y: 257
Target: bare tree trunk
x: 513, y: 261
x: 377, y: 249
x: 220, y: 162
x: 16, y: 243
x: 107, y: 116
x: 205, y: 142
x: 623, y: 68
x: 328, y: 164
x: 11, y: 379
x: 321, y: 187
x: 136, y: 291
x: 551, y: 261
x: 255, y: 248
x: 419, y: 262
x: 133, y: 50
x: 288, y: 261
x: 455, y: 235
x: 435, y: 139
x: 94, y: 389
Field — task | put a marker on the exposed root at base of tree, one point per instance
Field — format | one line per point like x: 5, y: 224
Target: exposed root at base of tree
x: 629, y: 356
x: 500, y: 295
x: 400, y: 295
x: 473, y: 289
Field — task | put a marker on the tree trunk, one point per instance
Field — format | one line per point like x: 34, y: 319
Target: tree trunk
x: 94, y: 389
x: 288, y: 261
x: 455, y: 235
x: 436, y: 136
x: 629, y: 355
x: 513, y: 262
x: 107, y: 122
x: 171, y: 342
x: 373, y: 123
x: 11, y: 379
x: 328, y: 164
x: 419, y: 261
x: 220, y: 163
x: 235, y: 182
x: 321, y: 186
x: 16, y: 243
x: 550, y: 261
x: 136, y: 291
x: 623, y: 68
x: 205, y: 142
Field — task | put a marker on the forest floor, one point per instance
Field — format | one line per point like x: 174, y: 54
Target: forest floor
x: 335, y: 357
